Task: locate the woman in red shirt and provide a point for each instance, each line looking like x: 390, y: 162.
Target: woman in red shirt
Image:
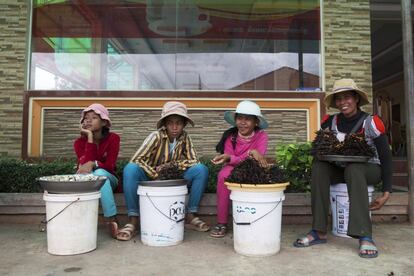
x: 97, y: 151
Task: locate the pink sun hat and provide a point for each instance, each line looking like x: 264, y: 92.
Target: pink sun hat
x: 98, y: 109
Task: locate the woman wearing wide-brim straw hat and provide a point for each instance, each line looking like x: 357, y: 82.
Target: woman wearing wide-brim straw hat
x: 344, y: 85
x: 246, y: 138
x: 347, y: 97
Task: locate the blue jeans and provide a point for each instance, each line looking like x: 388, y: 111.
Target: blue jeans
x: 107, y: 194
x: 196, y: 176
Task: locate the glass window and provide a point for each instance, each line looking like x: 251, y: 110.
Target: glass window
x: 176, y: 45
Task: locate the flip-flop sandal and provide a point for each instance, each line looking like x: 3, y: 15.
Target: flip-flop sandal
x: 305, y: 242
x: 218, y: 231
x: 367, y: 247
x: 198, y: 225
x: 127, y: 232
x: 112, y: 228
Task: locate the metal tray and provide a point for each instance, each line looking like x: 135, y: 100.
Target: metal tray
x: 71, y: 184
x: 164, y: 183
x: 343, y: 158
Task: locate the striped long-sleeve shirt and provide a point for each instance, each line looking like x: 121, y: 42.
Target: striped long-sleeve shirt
x: 154, y: 152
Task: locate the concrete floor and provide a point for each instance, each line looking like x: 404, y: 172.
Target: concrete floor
x: 23, y: 251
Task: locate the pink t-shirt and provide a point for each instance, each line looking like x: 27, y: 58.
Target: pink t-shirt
x: 258, y: 142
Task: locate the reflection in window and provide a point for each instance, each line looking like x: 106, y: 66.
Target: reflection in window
x: 176, y: 45
x: 119, y: 71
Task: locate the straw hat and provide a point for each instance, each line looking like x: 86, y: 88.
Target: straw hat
x: 98, y: 109
x: 343, y: 85
x: 173, y: 108
x: 247, y: 108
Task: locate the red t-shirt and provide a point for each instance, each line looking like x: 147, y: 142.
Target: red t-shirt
x: 106, y: 153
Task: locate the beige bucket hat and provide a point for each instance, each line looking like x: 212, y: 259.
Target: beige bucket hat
x: 173, y: 108
x: 343, y: 85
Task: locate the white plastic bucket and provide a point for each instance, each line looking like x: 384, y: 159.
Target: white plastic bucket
x: 162, y: 214
x: 257, y: 219
x: 72, y: 222
x: 340, y: 208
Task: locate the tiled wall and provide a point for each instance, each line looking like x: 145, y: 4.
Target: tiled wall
x: 347, y: 40
x: 61, y: 128
x: 13, y: 22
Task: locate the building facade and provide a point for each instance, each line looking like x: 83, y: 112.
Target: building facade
x: 211, y: 55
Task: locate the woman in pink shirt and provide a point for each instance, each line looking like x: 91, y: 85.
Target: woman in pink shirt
x: 245, y: 139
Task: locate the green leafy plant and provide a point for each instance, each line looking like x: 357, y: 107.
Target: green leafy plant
x: 18, y: 176
x: 120, y: 165
x: 296, y: 160
x: 213, y: 171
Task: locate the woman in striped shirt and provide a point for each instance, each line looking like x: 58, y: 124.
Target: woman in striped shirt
x: 170, y: 143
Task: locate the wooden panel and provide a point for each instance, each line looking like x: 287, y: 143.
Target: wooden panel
x: 60, y: 129
x: 39, y: 105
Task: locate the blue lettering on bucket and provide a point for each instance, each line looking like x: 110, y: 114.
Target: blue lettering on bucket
x: 241, y: 209
x: 161, y: 237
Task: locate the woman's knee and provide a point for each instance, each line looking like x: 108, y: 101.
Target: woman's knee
x: 201, y: 169
x: 100, y: 172
x: 326, y: 172
x: 198, y: 171
x: 224, y: 173
x: 352, y: 170
x: 221, y: 178
x: 133, y: 174
x: 320, y: 167
x: 133, y: 170
x: 130, y: 168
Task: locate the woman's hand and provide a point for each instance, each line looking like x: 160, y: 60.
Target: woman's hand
x: 260, y: 158
x: 221, y: 159
x: 87, y: 133
x: 379, y: 201
x: 86, y: 168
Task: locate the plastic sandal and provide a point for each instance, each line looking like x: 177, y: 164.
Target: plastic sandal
x: 127, y: 232
x: 367, y: 247
x: 218, y: 231
x: 198, y: 225
x: 305, y: 242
